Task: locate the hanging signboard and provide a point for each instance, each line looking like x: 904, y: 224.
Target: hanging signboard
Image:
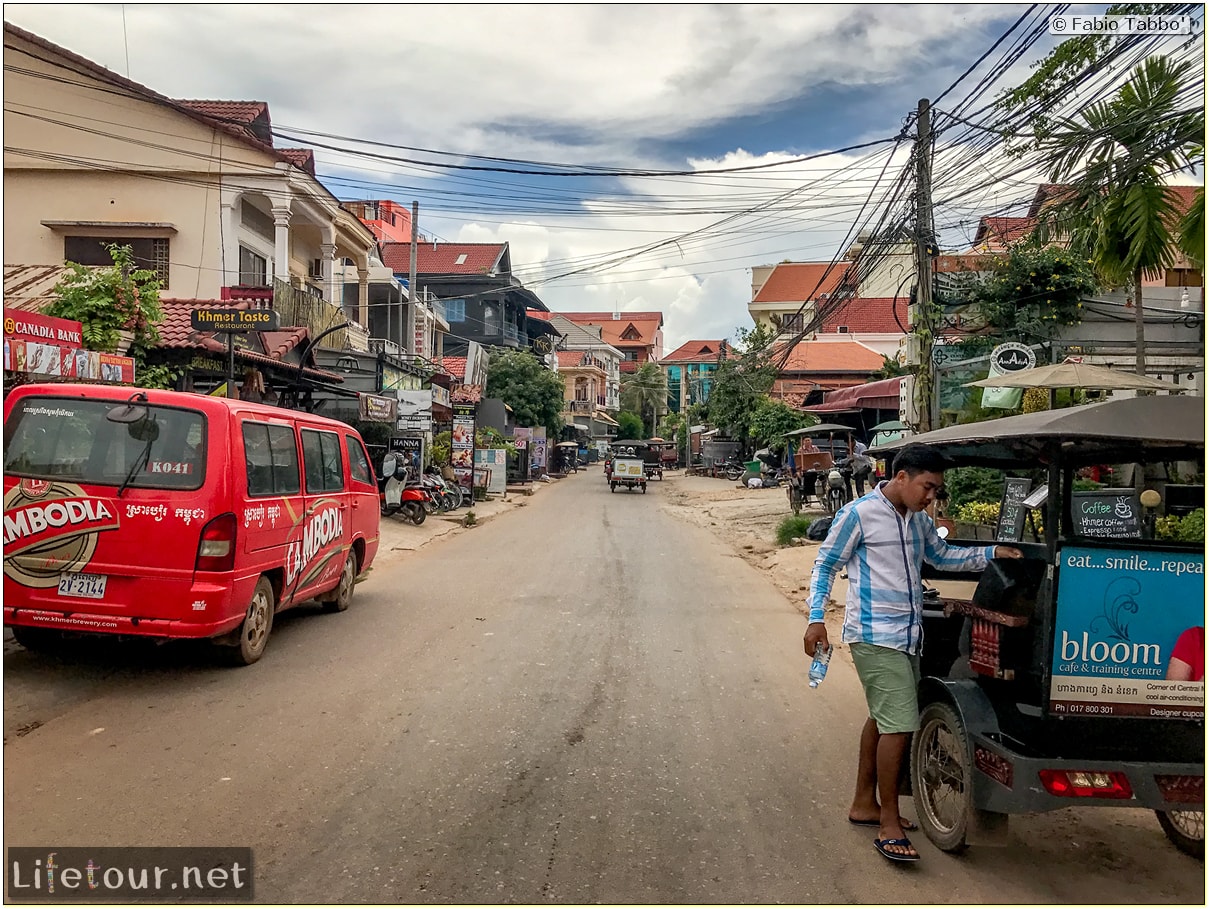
x: 40, y: 345
x: 33, y: 326
x: 227, y: 319
x: 1010, y: 357
x: 537, y: 448
x: 410, y: 449
x: 376, y: 408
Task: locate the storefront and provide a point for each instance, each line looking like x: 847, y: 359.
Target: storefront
x: 40, y: 348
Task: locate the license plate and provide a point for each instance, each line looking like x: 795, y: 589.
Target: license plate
x: 82, y: 585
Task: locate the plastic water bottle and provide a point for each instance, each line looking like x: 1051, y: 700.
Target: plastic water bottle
x: 818, y: 666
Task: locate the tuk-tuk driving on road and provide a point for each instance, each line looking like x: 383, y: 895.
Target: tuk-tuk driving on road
x: 1073, y: 677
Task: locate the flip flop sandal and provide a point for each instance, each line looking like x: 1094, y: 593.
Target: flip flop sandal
x: 895, y: 856
x: 907, y: 825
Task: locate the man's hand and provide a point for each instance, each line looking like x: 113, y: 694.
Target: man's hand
x: 1008, y: 552
x: 816, y: 633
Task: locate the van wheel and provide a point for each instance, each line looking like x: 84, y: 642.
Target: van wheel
x: 342, y: 595
x: 254, y: 632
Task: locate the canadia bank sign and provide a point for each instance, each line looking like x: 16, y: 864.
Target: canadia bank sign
x: 40, y: 345
x: 32, y: 326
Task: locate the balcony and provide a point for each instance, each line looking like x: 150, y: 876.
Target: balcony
x: 580, y: 406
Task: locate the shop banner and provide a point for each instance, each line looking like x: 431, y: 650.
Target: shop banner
x: 537, y: 448
x: 410, y: 449
x: 1009, y: 357
x: 33, y: 326
x: 491, y: 468
x: 377, y: 409
x: 1129, y: 634
x: 462, y: 443
x: 520, y: 437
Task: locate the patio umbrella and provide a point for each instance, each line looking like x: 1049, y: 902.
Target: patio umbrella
x: 821, y: 427
x: 890, y: 426
x: 1074, y: 375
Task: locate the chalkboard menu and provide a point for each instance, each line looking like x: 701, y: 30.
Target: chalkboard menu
x: 1012, y: 510
x: 1111, y: 513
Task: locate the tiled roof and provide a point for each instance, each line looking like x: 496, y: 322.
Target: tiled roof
x: 596, y: 318
x: 236, y: 111
x: 452, y: 366
x: 177, y: 333
x: 694, y: 352
x: 442, y: 258
x: 1000, y: 232
x: 570, y: 358
x: 302, y: 158
x: 628, y: 366
x: 797, y: 282
x: 31, y: 287
x: 646, y: 325
x: 833, y: 356
x: 873, y: 315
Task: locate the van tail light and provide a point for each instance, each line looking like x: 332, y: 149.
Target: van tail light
x: 1095, y: 784
x: 216, y: 548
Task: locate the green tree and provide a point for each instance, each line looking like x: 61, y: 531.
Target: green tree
x: 629, y: 426
x: 772, y: 419
x: 1033, y: 291
x: 742, y: 381
x: 890, y: 369
x: 110, y: 300
x: 1113, y: 155
x: 645, y: 393
x: 534, y: 393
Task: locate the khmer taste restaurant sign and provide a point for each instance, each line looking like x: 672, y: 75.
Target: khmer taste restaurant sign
x: 39, y: 345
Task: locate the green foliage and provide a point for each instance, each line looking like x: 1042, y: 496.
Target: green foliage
x: 645, y: 393
x: 110, y: 300
x: 972, y: 484
x: 770, y: 421
x: 629, y: 426
x: 441, y: 450
x: 890, y: 368
x: 1192, y: 228
x: 977, y: 512
x: 534, y: 393
x: 490, y: 437
x: 793, y: 527
x: 742, y: 381
x: 1032, y: 292
x: 1188, y: 529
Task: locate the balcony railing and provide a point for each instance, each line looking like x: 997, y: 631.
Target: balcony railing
x: 580, y: 406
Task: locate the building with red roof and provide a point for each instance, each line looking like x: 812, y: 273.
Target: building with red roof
x: 638, y: 335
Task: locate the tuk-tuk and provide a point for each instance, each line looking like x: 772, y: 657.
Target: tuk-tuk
x: 820, y: 466
x: 1059, y: 683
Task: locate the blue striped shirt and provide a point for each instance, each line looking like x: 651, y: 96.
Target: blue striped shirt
x: 884, y: 552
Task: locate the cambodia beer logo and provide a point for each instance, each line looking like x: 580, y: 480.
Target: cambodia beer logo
x: 325, y: 526
x: 51, y: 528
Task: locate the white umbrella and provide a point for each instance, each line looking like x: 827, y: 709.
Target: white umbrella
x: 1074, y: 375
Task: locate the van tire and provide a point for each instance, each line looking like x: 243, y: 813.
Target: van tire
x: 41, y: 640
x: 253, y: 634
x: 342, y: 593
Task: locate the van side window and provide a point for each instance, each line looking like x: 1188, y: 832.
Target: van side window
x: 321, y: 461
x: 271, y: 458
x: 358, y: 463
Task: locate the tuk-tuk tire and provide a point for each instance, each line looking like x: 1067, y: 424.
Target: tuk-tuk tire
x: 947, y: 839
x: 644, y: 488
x: 1186, y: 843
x: 612, y: 487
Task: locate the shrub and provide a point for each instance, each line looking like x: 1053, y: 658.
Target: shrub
x: 1188, y: 529
x: 977, y: 513
x: 972, y: 484
x: 794, y: 526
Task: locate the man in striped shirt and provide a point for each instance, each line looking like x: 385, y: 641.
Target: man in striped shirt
x: 884, y: 538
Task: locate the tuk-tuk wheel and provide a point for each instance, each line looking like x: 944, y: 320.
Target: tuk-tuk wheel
x: 612, y: 487
x: 644, y: 488
x: 1186, y: 829
x: 942, y: 777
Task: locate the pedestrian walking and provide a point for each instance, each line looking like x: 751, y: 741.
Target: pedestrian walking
x: 883, y: 538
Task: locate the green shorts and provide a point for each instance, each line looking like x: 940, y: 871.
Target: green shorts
x: 891, y: 681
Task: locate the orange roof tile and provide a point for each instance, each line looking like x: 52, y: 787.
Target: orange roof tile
x: 442, y: 258
x: 797, y: 282
x: 833, y: 356
x: 869, y: 314
x: 694, y: 352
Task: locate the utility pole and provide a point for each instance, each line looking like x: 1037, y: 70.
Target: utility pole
x: 410, y: 337
x: 924, y: 251
x: 688, y: 429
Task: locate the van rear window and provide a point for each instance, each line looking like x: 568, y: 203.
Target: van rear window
x: 71, y: 439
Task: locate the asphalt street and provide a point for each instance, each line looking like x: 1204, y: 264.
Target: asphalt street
x: 584, y: 700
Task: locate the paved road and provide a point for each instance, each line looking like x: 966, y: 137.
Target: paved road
x: 584, y: 700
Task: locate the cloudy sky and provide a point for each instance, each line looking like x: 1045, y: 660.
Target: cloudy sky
x: 679, y: 89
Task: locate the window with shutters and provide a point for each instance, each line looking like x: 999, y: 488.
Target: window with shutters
x: 151, y: 253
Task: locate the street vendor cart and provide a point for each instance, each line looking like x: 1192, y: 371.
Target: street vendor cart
x: 1067, y: 679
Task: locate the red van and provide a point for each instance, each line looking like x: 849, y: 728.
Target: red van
x: 175, y: 515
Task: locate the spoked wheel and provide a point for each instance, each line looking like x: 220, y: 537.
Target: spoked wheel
x: 942, y: 777
x: 795, y: 500
x: 1186, y: 829
x: 732, y: 474
x: 342, y: 596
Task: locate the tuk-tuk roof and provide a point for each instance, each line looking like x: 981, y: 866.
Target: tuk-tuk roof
x: 821, y: 427
x: 1164, y: 427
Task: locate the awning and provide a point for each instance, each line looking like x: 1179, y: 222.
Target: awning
x: 603, y: 417
x: 579, y: 426
x: 880, y: 395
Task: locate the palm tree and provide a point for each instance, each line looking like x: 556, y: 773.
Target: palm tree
x: 1112, y: 157
x: 645, y: 393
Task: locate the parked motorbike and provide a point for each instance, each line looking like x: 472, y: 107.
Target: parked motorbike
x: 396, y: 494
x: 733, y: 468
x: 838, y: 486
